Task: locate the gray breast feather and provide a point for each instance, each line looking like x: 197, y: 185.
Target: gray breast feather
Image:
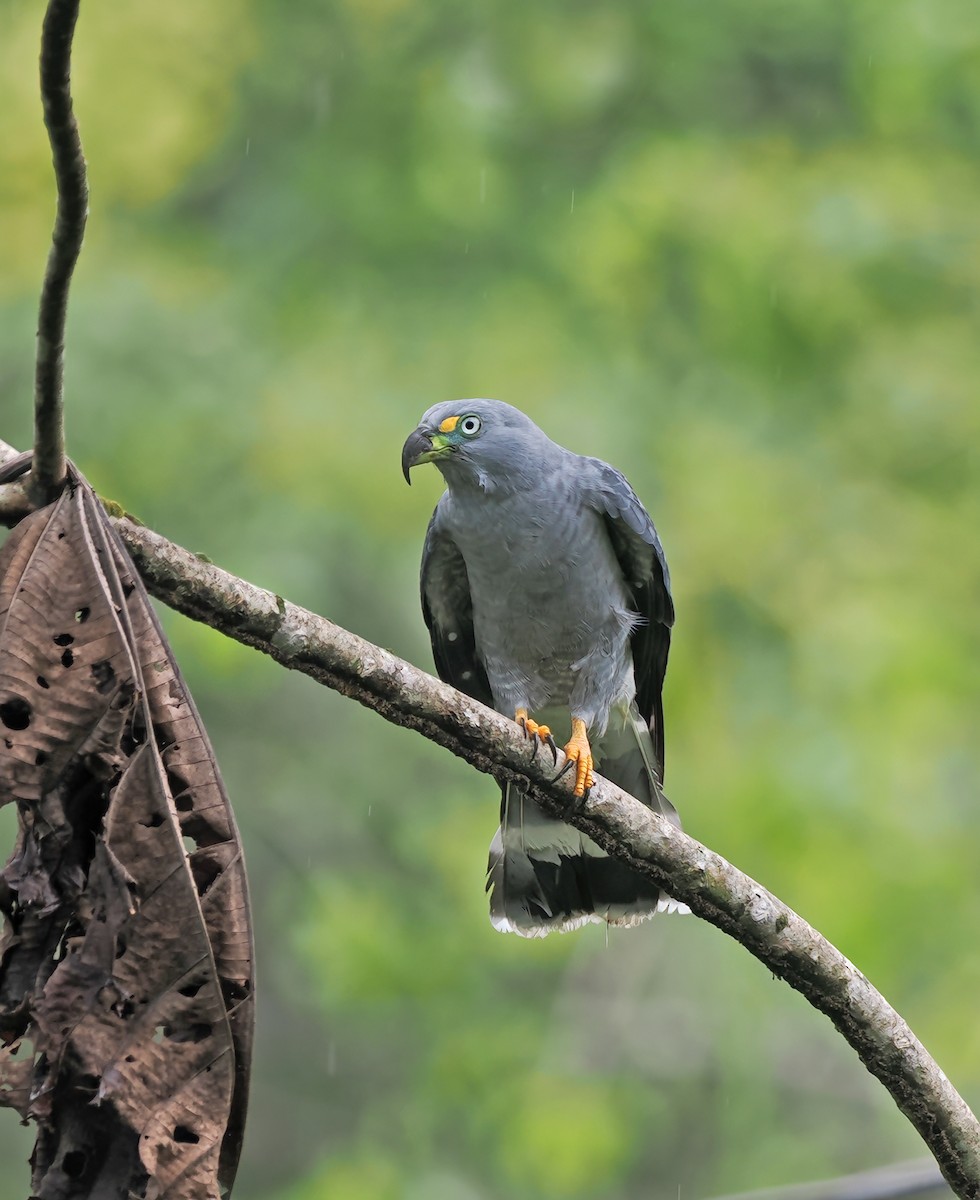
x: 551, y: 609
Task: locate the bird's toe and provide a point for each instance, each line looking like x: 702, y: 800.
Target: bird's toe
x: 578, y: 753
x: 539, y: 734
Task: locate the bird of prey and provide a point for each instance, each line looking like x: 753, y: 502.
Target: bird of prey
x: 546, y: 594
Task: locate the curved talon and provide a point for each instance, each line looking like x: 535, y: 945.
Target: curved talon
x: 552, y: 745
x: 537, y: 733
x: 569, y: 763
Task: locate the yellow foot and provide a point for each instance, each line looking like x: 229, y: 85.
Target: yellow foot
x: 578, y: 752
x: 539, y: 734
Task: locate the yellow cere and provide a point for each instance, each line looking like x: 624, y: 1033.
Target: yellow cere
x: 448, y: 425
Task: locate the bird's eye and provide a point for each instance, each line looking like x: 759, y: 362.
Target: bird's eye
x: 470, y: 426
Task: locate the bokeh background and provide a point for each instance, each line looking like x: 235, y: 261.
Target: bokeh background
x: 734, y: 249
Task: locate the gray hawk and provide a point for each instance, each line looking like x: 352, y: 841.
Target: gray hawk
x: 546, y: 595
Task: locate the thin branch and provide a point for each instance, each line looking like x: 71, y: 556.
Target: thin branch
x: 714, y: 889
x: 48, y: 474
x: 14, y: 501
x: 901, y: 1180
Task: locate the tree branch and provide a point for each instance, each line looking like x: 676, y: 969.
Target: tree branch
x: 14, y: 501
x: 897, y: 1182
x: 48, y: 473
x: 714, y: 889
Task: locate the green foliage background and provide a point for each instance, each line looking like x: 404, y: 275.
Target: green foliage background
x: 732, y: 248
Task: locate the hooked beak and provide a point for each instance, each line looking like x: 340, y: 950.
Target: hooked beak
x: 421, y: 447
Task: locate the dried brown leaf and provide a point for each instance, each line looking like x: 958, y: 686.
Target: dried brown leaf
x: 126, y: 955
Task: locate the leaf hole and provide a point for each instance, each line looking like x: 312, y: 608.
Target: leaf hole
x: 40, y: 758
x: 67, y: 658
x: 184, y: 1034
x: 82, y: 614
x: 15, y: 714
x: 63, y: 639
x: 73, y: 1164
x: 233, y: 991
x: 190, y: 989
x: 128, y: 589
x: 42, y: 682
x: 104, y: 676
x: 190, y: 844
x: 153, y: 821
x: 205, y: 868
x: 159, y: 1034
x: 184, y: 802
x: 183, y: 1134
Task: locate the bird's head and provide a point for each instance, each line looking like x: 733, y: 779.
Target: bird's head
x: 483, y: 441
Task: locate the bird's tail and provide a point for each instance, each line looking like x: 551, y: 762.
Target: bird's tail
x: 545, y: 876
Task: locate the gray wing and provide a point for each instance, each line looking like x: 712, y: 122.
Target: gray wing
x: 448, y: 611
x: 641, y: 557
